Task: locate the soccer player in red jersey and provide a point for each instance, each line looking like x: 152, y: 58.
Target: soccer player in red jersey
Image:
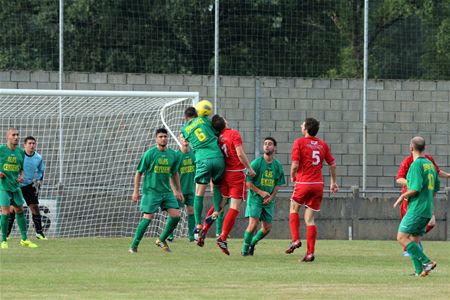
x: 401, y: 179
x: 233, y: 185
x: 308, y: 154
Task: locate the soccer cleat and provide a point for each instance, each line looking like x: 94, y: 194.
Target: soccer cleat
x: 28, y: 243
x: 245, y: 254
x: 223, y: 246
x: 4, y: 245
x: 210, y: 219
x: 201, y: 238
x: 405, y: 253
x: 132, y: 250
x: 196, y: 232
x: 427, y: 268
x: 292, y: 246
x: 308, y: 258
x: 414, y: 274
x: 163, y: 246
x: 251, y: 250
x: 41, y: 236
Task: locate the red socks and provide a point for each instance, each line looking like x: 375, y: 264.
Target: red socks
x: 311, y: 236
x: 228, y: 223
x: 294, y: 225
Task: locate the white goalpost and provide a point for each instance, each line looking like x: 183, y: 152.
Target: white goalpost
x: 91, y: 143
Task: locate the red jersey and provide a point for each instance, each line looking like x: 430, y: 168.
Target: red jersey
x: 310, y: 152
x: 406, y: 163
x: 229, y: 139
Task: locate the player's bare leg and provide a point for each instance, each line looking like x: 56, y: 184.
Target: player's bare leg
x: 294, y: 225
x: 311, y: 235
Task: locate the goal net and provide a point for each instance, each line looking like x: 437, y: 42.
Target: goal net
x: 91, y: 143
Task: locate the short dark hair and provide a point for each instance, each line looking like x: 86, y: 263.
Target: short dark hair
x: 271, y: 139
x: 160, y: 130
x: 312, y: 126
x: 418, y: 143
x: 25, y: 140
x: 218, y: 123
x: 190, y: 112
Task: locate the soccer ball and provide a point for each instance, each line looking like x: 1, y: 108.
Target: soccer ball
x: 204, y: 108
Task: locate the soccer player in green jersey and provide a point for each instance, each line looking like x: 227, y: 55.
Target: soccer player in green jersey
x: 11, y: 175
x: 209, y: 161
x: 187, y: 172
x: 159, y: 166
x: 261, y: 195
x: 422, y: 184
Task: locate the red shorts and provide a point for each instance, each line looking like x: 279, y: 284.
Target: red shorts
x: 233, y: 185
x: 309, y: 194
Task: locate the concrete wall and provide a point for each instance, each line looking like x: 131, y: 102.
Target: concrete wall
x: 397, y: 110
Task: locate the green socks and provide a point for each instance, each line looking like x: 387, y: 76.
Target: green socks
x: 22, y: 223
x: 4, y: 225
x: 140, y: 231
x: 415, y: 252
x: 258, y: 236
x: 198, y: 209
x: 170, y: 227
x: 247, y: 240
x: 217, y: 197
x: 191, y: 226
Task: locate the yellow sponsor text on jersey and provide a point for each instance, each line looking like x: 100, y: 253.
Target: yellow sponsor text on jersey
x: 163, y: 161
x: 268, y: 174
x: 427, y: 167
x: 162, y: 169
x: 187, y: 169
x: 267, y: 182
x: 12, y: 159
x: 11, y: 167
x: 191, y: 126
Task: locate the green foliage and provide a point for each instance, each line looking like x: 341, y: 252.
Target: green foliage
x: 311, y: 38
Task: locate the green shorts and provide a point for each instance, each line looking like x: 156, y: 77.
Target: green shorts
x: 259, y: 211
x: 210, y: 168
x: 11, y: 198
x: 188, y: 200
x: 150, y: 203
x: 413, y: 224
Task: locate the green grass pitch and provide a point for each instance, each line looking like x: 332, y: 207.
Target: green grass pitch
x: 101, y: 268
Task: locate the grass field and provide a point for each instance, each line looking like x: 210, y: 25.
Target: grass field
x: 100, y: 268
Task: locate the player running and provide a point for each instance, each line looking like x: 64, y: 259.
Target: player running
x: 401, y: 179
x: 308, y: 154
x: 261, y: 199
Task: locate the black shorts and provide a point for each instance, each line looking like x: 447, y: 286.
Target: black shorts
x: 30, y: 194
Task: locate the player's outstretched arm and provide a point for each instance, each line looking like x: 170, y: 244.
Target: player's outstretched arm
x: 443, y: 174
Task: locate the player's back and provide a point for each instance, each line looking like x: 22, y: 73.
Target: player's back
x: 406, y: 164
x: 229, y: 139
x: 310, y: 152
x: 202, y: 138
